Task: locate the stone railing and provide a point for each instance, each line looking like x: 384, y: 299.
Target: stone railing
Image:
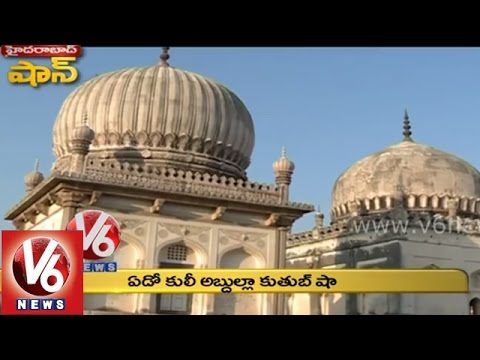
x: 177, y: 181
x: 435, y: 203
x: 388, y: 222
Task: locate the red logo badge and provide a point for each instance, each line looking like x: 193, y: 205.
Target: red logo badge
x: 42, y: 272
x: 101, y: 233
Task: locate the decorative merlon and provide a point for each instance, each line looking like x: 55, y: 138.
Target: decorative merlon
x: 435, y: 203
x: 452, y: 206
x: 218, y: 213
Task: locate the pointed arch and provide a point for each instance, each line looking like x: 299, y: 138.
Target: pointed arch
x: 183, y: 254
x: 258, y: 256
x: 239, y: 257
x: 474, y: 306
x: 134, y: 242
x: 475, y: 279
x: 200, y: 252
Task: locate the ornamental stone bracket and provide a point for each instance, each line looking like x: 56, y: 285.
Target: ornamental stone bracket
x: 41, y: 208
x: 51, y: 198
x: 272, y: 219
x: 28, y: 216
x: 94, y: 197
x: 218, y: 213
x: 157, y: 206
x: 18, y: 223
x: 67, y: 198
x: 278, y: 220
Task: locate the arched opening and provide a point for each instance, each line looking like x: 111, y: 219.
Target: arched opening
x: 176, y: 256
x: 238, y: 304
x: 475, y: 280
x: 126, y: 256
x: 474, y: 306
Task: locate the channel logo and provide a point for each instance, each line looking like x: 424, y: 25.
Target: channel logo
x: 42, y: 272
x: 101, y: 237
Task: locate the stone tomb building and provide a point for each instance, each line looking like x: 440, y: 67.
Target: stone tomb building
x: 165, y: 151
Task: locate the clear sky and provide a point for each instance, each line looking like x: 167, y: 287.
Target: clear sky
x: 329, y: 106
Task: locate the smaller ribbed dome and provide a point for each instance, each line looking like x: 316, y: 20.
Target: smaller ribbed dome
x: 283, y: 165
x: 84, y: 132
x: 34, y: 178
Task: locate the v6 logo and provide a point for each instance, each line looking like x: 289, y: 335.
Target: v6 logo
x: 41, y: 266
x: 101, y: 233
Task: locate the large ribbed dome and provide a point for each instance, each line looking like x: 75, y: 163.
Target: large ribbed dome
x: 426, y: 174
x: 162, y: 116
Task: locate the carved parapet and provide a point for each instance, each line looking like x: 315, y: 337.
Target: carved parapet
x: 173, y: 180
x: 300, y: 238
x: 440, y: 203
x: 218, y: 213
x: 157, y: 206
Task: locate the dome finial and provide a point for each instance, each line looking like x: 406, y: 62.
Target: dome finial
x: 165, y: 56
x: 37, y: 165
x: 283, y: 167
x: 407, y: 132
x: 83, y: 132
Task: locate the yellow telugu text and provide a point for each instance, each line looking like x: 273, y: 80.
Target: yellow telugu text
x: 28, y: 73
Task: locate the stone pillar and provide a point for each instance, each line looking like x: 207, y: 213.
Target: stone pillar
x: 281, y: 299
x: 70, y: 201
x: 315, y: 304
x: 283, y: 169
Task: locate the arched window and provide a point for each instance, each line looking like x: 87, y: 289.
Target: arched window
x: 177, y: 256
x: 475, y: 279
x: 474, y: 306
